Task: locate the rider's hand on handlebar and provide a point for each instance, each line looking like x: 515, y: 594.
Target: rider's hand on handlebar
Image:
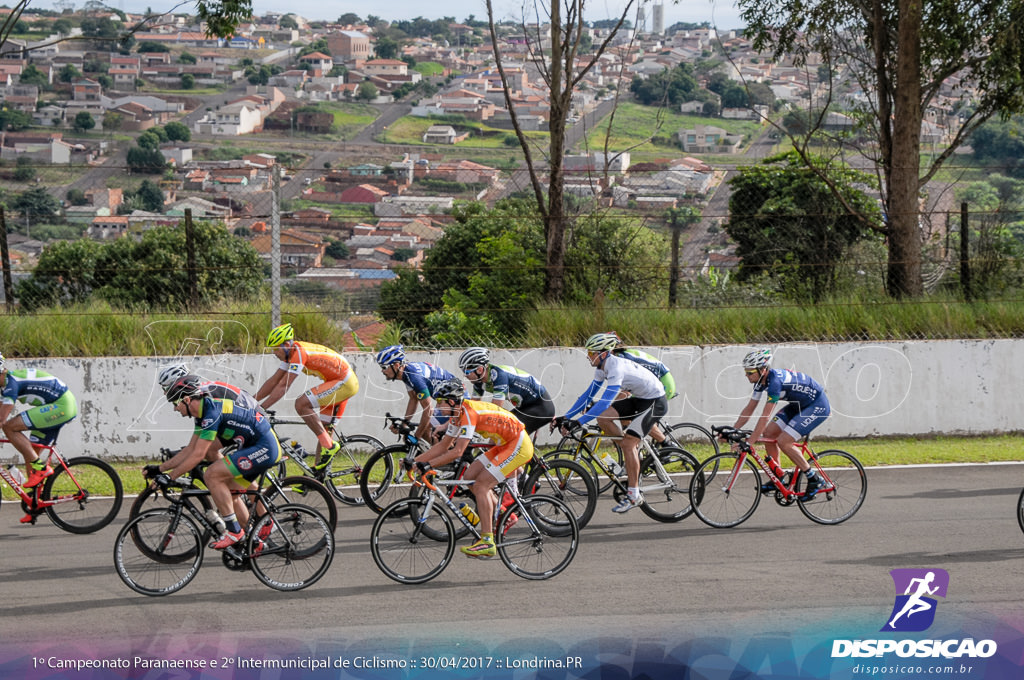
x: 161, y: 481
x: 150, y: 471
x: 423, y: 467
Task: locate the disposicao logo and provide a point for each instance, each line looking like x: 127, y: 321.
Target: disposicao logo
x: 914, y: 609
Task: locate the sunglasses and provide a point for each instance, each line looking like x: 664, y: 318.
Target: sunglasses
x: 751, y: 371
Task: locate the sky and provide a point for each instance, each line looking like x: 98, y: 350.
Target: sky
x: 723, y: 14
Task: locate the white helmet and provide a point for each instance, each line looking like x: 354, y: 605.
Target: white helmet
x: 473, y: 358
x: 759, y: 358
x: 168, y: 374
x: 601, y: 342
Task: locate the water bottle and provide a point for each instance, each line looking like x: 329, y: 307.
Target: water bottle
x: 612, y: 464
x: 469, y: 514
x: 16, y: 472
x: 216, y: 520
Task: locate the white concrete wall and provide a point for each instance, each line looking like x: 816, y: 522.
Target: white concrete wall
x: 911, y: 388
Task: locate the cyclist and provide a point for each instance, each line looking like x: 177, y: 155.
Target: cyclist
x: 219, y: 423
x: 51, y: 406
x: 652, y: 364
x: 214, y: 388
x: 330, y: 397
x: 645, y: 404
x: 511, y: 388
x: 808, y: 408
x: 512, y: 449
x: 420, y: 378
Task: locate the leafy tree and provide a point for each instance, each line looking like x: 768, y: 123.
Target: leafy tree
x: 288, y: 21
x: 337, y: 249
x: 105, y: 81
x: 177, y: 132
x: 147, y: 46
x: 36, y: 204
x: 149, y: 161
x: 68, y: 73
x: 996, y: 233
x: 386, y: 48
x: 14, y: 120
x: 187, y: 58
x: 30, y: 75
x: 188, y: 81
x: 789, y: 226
x: 367, y: 91
x: 671, y: 87
x: 84, y: 121
x: 150, y: 196
x: 148, y: 140
x: 63, y: 26
x: 76, y: 197
x: 112, y: 121
x: 25, y: 170
x: 349, y: 18
x: 903, y: 52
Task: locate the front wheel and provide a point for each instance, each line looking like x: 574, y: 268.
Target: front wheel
x: 665, y: 483
x: 83, y: 495
x: 158, y: 552
x: 305, y: 491
x: 569, y: 482
x: 540, y: 545
x: 1020, y: 510
x: 731, y: 497
x: 401, y: 549
x: 846, y: 486
x: 343, y: 472
x: 382, y: 481
x: 291, y: 547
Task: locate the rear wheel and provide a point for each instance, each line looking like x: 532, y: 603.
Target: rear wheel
x: 542, y: 546
x: 382, y: 481
x: 85, y: 496
x: 695, y: 439
x: 665, y: 484
x: 304, y: 491
x: 343, y: 472
x: 569, y: 482
x: 844, y: 492
x: 1020, y: 510
x: 732, y: 496
x: 157, y: 553
x: 296, y: 550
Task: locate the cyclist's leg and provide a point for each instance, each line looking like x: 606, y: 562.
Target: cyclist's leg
x: 237, y: 470
x: 45, y: 419
x: 797, y: 425
x: 491, y: 467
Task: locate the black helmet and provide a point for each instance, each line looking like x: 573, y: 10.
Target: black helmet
x: 449, y: 390
x: 185, y: 386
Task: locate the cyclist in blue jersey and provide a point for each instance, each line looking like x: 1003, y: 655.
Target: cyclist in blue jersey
x: 510, y: 388
x: 645, y: 403
x: 420, y: 378
x: 807, y: 408
x: 219, y: 423
x: 51, y: 406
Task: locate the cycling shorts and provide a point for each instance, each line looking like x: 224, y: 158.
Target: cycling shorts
x: 798, y: 422
x: 330, y: 397
x: 44, y: 421
x: 246, y: 464
x: 640, y: 412
x: 537, y: 414
x: 503, y: 461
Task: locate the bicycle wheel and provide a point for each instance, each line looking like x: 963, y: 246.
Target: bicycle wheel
x: 382, y: 481
x: 401, y: 549
x: 297, y: 550
x: 342, y: 474
x: 842, y: 496
x: 1020, y: 510
x: 665, y: 484
x: 732, y: 496
x: 585, y: 453
x: 158, y: 554
x: 695, y: 439
x: 86, y: 495
x: 152, y: 499
x: 569, y: 482
x: 540, y: 545
x: 439, y: 534
x: 299, y: 490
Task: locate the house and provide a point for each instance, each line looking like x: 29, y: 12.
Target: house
x: 363, y: 193
x: 299, y: 249
x: 320, y: 64
x: 238, y: 118
x: 107, y: 227
x: 440, y: 134
x: 709, y: 139
x: 124, y: 71
x: 347, y: 46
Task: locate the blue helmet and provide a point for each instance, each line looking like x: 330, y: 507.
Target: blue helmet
x: 390, y: 355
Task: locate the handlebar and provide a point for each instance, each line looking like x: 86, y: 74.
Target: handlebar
x: 731, y: 434
x: 403, y: 424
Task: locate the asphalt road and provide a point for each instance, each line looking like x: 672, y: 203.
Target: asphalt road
x: 631, y: 577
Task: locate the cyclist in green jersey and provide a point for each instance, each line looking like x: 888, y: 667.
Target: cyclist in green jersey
x: 51, y: 406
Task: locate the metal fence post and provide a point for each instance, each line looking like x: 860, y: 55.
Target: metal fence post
x: 5, y: 257
x: 965, y: 255
x: 275, y: 248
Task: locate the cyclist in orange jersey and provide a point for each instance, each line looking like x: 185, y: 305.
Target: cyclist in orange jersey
x: 512, y: 449
x: 319, y: 404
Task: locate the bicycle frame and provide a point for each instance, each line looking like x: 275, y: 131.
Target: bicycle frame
x: 31, y: 496
x: 788, y: 493
x: 643, y: 451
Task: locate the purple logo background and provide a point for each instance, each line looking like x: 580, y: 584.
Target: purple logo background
x: 915, y: 605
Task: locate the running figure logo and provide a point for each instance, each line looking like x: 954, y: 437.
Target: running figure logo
x: 914, y: 609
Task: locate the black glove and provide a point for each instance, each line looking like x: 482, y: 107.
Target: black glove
x: 423, y: 467
x: 162, y: 481
x: 150, y: 471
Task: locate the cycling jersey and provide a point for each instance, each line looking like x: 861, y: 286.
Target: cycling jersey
x: 512, y: 447
x: 316, y: 360
x: 616, y: 374
x: 52, y: 403
x: 656, y: 367
x: 510, y: 384
x: 422, y: 378
x: 229, y: 422
x: 223, y: 390
x: 785, y: 385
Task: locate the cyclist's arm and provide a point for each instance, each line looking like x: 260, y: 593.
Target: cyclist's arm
x: 745, y: 414
x: 190, y: 456
x: 5, y: 412
x: 444, y: 451
x: 423, y: 429
x: 581, y: 402
x: 607, y: 397
x: 762, y: 422
x: 274, y: 388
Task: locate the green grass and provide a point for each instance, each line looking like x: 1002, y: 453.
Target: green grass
x: 410, y: 129
x: 429, y: 68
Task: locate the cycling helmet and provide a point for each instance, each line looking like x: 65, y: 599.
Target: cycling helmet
x: 449, y: 390
x: 759, y: 358
x: 473, y: 358
x: 169, y: 374
x: 601, y: 342
x: 279, y: 335
x: 185, y: 386
x: 390, y: 355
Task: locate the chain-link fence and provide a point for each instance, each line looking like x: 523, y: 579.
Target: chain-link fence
x: 659, y: 252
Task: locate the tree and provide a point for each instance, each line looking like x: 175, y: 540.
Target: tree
x: 25, y: 170
x: 68, y: 73
x: 187, y: 58
x: 11, y: 119
x: 152, y: 46
x: 349, y: 18
x: 386, y: 48
x: 150, y: 196
x: 149, y: 161
x: 36, y: 204
x: 188, y: 81
x: 30, y: 75
x: 367, y: 91
x: 337, y: 249
x: 288, y: 21
x: 904, y: 52
x: 76, y: 197
x: 84, y: 121
x: 789, y: 225
x: 148, y: 140
x: 112, y: 121
x: 177, y: 132
x: 562, y: 71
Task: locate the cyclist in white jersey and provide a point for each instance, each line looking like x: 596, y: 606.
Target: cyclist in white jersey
x: 645, y: 404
